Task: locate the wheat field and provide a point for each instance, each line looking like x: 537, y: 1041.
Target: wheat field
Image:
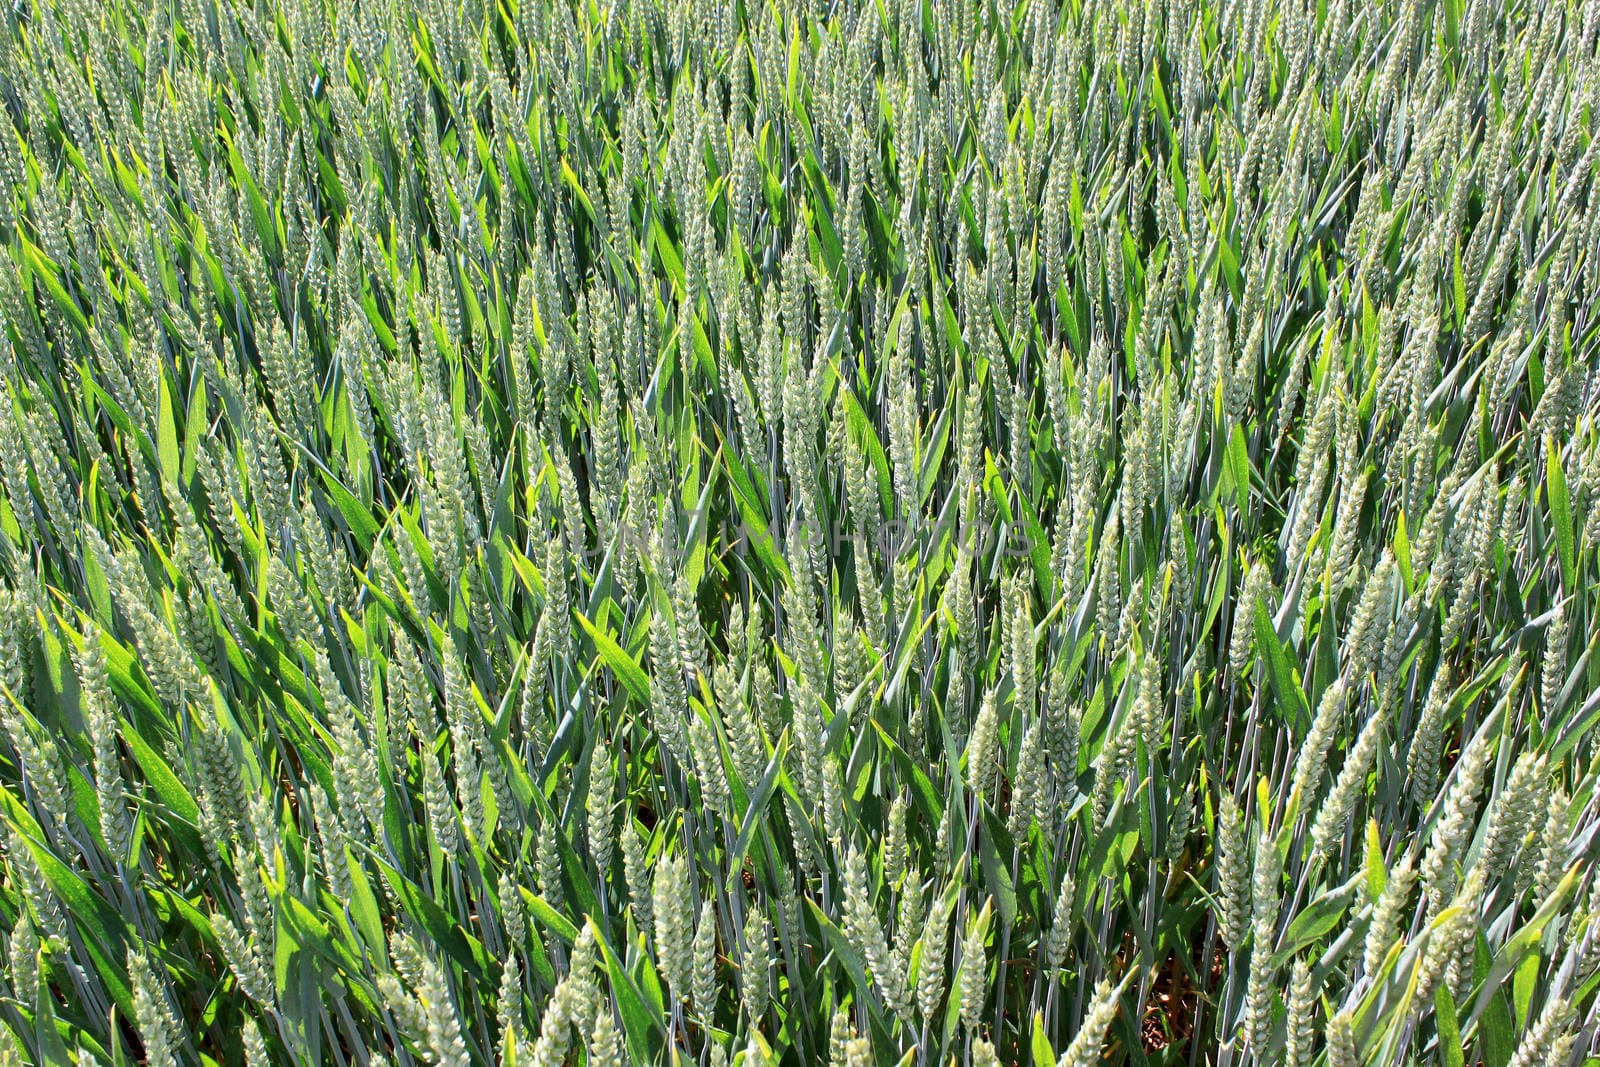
x: 794, y: 532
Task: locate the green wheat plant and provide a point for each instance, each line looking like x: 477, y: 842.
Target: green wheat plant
x: 855, y: 532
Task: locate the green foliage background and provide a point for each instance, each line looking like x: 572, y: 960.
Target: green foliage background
x: 874, y: 532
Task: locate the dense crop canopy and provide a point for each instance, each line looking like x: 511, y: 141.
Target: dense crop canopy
x: 774, y: 531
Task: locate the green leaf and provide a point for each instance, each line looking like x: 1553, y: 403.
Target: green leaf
x: 864, y: 436
x: 1402, y: 550
x: 458, y: 945
x: 842, y: 948
x: 1444, y: 1009
x: 559, y: 924
x: 1498, y: 1035
x: 641, y: 1026
x: 40, y: 267
x: 364, y: 909
x: 362, y: 525
x: 626, y: 669
x: 1524, y: 982
x: 996, y: 873
x: 106, y: 931
x: 182, y: 814
x: 1560, y: 513
x: 1290, y: 698
x: 1043, y: 1054
x: 755, y: 812
x: 922, y: 789
x: 752, y: 515
x: 47, y: 1038
x: 167, y: 435
x: 1377, y: 872
x: 1239, y: 469
x: 194, y: 425
x: 670, y: 261
x: 1315, y: 921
